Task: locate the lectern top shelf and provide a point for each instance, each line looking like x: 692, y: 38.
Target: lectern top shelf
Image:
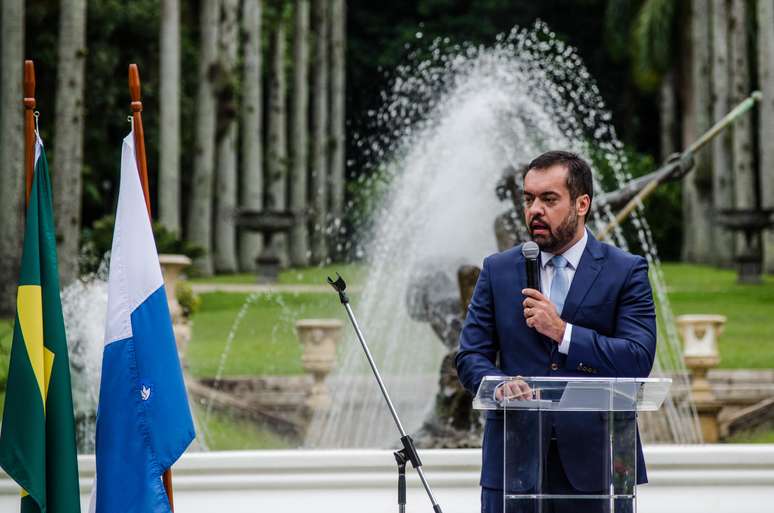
x: 576, y: 394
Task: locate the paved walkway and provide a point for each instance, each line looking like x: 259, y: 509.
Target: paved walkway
x: 264, y: 288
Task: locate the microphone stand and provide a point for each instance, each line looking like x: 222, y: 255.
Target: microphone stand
x: 409, y: 451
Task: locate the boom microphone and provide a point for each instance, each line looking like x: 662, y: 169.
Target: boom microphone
x: 531, y: 251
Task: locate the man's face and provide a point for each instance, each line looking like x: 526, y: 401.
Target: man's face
x: 552, y: 216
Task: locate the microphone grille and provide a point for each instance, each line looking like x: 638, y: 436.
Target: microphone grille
x: 530, y: 250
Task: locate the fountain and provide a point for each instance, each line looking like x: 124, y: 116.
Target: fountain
x: 749, y: 256
x: 268, y: 223
x: 451, y: 124
x: 84, y: 307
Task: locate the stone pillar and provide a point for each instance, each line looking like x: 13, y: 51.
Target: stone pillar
x: 319, y: 338
x: 700, y: 334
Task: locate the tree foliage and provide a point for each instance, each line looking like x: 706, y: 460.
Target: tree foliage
x: 644, y: 31
x: 380, y: 36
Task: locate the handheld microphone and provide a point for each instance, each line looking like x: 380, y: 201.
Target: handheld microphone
x: 531, y: 252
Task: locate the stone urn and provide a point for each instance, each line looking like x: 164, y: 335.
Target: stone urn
x: 171, y: 268
x: 700, y: 334
x: 319, y: 338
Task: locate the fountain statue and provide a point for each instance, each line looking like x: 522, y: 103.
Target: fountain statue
x: 450, y: 125
x: 436, y: 299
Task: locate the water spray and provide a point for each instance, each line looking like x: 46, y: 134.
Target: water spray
x: 409, y: 451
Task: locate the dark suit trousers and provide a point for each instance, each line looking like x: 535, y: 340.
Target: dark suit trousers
x: 555, y: 482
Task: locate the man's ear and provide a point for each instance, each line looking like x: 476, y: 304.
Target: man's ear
x: 583, y: 204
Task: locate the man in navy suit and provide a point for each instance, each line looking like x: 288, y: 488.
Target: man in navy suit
x: 593, y: 317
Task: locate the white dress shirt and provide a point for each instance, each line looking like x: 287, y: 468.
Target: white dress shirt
x: 573, y: 256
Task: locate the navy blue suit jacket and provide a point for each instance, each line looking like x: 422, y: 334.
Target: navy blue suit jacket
x: 610, y: 305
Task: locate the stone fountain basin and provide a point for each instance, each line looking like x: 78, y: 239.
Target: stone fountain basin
x: 683, y: 479
x: 265, y: 220
x: 746, y: 219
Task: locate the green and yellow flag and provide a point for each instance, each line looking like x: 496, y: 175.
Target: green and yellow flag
x: 37, y: 437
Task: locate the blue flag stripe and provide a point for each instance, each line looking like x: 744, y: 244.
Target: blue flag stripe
x: 144, y: 422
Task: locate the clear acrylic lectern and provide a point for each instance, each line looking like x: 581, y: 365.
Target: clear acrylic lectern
x: 570, y: 444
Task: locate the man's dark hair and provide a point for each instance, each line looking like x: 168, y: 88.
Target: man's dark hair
x: 579, y: 180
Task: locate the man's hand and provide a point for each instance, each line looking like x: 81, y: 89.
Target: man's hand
x: 513, y: 389
x: 541, y: 315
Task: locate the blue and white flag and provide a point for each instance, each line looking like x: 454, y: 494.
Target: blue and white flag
x: 143, y: 421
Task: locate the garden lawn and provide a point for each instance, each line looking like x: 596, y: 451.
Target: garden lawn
x: 6, y: 336
x: 265, y: 341
x: 748, y: 339
x: 223, y: 432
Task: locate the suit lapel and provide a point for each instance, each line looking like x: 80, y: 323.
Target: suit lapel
x: 588, y: 269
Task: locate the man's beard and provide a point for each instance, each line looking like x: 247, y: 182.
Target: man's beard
x: 556, y: 240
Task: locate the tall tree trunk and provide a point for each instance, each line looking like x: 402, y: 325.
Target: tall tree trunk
x: 277, y: 132
x: 252, y: 140
x: 744, y: 174
x: 169, y: 117
x: 722, y: 168
x: 668, y: 115
x: 320, y: 134
x: 68, y: 147
x: 766, y: 118
x: 697, y: 185
x: 226, y: 176
x: 299, y: 236
x: 200, y: 206
x: 338, y: 142
x: 11, y: 152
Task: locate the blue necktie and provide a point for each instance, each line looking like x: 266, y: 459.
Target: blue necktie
x: 559, y: 283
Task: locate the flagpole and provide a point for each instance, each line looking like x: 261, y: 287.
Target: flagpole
x: 29, y: 127
x: 139, y: 133
x: 142, y: 167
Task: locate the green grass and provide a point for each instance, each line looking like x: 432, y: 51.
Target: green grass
x: 758, y: 436
x: 224, y: 432
x: 6, y: 329
x: 6, y: 335
x: 353, y: 273
x: 748, y: 338
x: 265, y: 342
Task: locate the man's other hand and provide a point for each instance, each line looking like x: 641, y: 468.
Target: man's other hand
x: 540, y: 314
x: 513, y: 389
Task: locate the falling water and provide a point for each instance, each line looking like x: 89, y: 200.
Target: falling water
x: 226, y: 351
x: 84, y: 307
x: 450, y: 125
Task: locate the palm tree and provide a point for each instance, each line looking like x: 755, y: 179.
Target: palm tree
x: 252, y: 135
x: 226, y: 176
x: 766, y: 118
x: 299, y: 235
x: 169, y: 116
x: 320, y: 133
x: 68, y: 146
x: 276, y: 162
x: 11, y: 152
x: 337, y: 165
x: 200, y: 206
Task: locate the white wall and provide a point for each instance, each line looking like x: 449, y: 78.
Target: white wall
x: 683, y: 479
